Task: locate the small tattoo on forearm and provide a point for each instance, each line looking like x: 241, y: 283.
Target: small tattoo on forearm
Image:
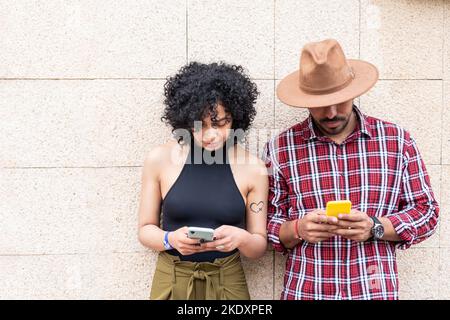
x: 256, y: 207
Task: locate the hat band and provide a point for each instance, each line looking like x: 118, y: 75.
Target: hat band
x: 319, y: 91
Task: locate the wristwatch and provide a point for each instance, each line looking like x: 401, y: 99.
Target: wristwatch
x: 167, y: 245
x: 377, y: 229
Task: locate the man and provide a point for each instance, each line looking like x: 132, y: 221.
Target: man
x: 338, y: 153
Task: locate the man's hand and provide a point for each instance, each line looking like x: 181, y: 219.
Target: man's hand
x: 355, y: 226
x: 316, y: 226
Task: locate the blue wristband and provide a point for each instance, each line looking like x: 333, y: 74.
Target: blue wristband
x: 167, y: 245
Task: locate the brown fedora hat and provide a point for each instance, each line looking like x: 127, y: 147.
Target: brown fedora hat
x: 326, y: 77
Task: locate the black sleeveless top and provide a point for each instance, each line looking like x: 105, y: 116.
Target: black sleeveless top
x: 205, y: 195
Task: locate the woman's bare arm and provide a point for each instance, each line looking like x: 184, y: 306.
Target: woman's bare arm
x: 150, y: 234
x: 255, y: 244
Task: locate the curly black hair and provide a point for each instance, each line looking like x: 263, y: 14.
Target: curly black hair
x: 198, y: 88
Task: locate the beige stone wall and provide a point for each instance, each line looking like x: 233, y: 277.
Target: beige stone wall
x: 80, y: 100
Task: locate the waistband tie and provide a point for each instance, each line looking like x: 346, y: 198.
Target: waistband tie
x: 210, y: 287
x: 203, y: 271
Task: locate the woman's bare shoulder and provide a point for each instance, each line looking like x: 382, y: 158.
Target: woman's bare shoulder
x: 160, y: 154
x: 251, y: 162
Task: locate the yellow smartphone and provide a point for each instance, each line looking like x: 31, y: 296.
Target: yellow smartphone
x: 334, y: 208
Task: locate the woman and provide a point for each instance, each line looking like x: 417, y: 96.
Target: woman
x: 204, y: 179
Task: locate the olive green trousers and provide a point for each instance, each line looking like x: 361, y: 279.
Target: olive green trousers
x: 223, y: 279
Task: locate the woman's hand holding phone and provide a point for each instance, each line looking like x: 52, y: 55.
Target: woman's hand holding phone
x: 184, y: 245
x: 227, y: 238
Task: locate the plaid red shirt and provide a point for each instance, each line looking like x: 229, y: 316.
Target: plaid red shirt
x: 379, y: 168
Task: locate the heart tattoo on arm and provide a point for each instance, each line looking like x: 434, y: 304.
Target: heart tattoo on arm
x: 256, y: 207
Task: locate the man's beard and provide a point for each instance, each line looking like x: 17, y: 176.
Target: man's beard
x: 343, y: 123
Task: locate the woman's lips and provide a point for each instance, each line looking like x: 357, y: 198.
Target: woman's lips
x: 211, y: 145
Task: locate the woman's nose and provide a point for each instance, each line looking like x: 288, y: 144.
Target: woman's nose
x: 209, y: 135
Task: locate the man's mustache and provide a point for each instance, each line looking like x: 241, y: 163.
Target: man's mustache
x: 333, y: 119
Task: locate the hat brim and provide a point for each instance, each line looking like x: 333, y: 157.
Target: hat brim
x: 289, y: 92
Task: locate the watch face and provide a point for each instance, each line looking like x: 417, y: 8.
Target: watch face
x: 378, y: 231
